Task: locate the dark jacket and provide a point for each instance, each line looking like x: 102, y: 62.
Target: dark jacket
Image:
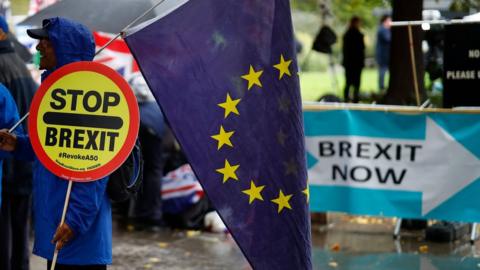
x: 17, y: 175
x: 8, y: 117
x: 89, y: 211
x: 382, y: 50
x: 353, y: 49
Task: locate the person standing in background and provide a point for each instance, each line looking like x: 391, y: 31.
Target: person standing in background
x: 353, y: 59
x: 17, y: 175
x: 147, y: 212
x: 382, y: 50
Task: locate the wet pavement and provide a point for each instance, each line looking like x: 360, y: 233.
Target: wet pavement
x: 347, y: 243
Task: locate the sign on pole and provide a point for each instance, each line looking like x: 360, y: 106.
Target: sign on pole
x: 412, y: 164
x: 461, y: 65
x: 84, y: 121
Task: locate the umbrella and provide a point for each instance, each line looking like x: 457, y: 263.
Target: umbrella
x: 21, y: 50
x: 109, y: 16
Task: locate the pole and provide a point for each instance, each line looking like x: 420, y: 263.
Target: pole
x: 414, y: 67
x: 18, y: 123
x: 442, y: 22
x: 64, y: 213
x: 129, y: 25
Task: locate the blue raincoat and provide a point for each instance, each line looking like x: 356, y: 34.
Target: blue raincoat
x: 89, y: 212
x: 8, y: 118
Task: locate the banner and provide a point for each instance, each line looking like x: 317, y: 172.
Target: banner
x: 410, y: 164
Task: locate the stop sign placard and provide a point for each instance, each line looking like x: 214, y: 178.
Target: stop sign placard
x: 84, y: 121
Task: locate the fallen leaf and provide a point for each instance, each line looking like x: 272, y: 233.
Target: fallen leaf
x: 163, y: 245
x: 192, y: 233
x: 333, y: 264
x: 423, y: 249
x: 154, y: 260
x: 335, y: 247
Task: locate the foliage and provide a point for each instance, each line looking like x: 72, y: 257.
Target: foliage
x: 345, y: 9
x: 465, y: 5
x: 306, y: 5
x: 307, y: 19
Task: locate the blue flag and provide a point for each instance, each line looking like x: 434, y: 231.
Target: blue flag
x: 225, y: 74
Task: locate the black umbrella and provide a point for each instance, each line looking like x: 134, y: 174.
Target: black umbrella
x: 21, y: 50
x: 109, y: 16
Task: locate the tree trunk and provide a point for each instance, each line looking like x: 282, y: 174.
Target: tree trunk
x: 401, y: 88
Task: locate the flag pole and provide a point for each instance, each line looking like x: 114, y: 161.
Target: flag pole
x: 128, y: 26
x: 100, y: 50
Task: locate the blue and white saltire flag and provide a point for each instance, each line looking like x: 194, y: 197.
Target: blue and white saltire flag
x: 225, y: 74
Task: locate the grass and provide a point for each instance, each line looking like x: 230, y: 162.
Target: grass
x: 315, y: 84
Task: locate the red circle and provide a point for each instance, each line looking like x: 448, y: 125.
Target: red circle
x: 122, y: 154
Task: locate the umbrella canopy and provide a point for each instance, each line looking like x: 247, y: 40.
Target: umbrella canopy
x: 20, y: 49
x: 109, y: 16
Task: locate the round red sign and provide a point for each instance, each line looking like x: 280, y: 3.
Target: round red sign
x: 84, y: 121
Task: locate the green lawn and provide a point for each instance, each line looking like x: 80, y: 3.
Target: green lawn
x: 315, y: 84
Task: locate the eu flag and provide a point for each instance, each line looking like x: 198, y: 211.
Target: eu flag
x: 225, y: 74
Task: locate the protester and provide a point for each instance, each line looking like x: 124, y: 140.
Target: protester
x: 85, y: 239
x: 148, y: 204
x: 17, y: 175
x: 353, y: 59
x: 382, y: 50
x: 8, y: 118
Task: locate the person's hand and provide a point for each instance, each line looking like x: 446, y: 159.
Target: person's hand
x: 62, y: 236
x: 3, y: 35
x: 8, y: 141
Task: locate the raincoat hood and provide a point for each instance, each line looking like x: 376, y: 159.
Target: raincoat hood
x: 71, y: 40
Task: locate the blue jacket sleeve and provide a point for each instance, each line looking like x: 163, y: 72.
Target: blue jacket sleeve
x: 85, y: 202
x: 24, y: 150
x: 8, y: 113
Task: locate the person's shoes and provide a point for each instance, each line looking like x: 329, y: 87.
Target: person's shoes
x: 414, y: 224
x: 213, y: 223
x: 447, y: 231
x: 147, y: 224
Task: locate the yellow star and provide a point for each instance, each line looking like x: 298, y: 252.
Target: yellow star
x: 223, y: 138
x: 230, y: 106
x: 283, y: 201
x: 307, y: 193
x: 254, y: 192
x: 283, y: 67
x: 253, y: 77
x: 228, y: 171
